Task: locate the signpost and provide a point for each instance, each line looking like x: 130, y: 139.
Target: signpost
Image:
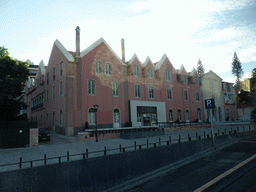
x: 210, y: 104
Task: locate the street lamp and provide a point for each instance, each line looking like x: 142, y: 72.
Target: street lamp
x: 95, y: 109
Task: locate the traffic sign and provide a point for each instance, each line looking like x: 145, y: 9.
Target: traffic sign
x: 209, y: 103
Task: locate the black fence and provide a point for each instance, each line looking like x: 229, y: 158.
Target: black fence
x: 179, y: 124
x: 121, y: 149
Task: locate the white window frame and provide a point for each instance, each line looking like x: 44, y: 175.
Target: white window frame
x: 91, y: 117
x: 150, y: 73
x: 185, y: 95
x: 108, y: 69
x: 98, y: 68
x: 169, y: 93
x: 197, y: 96
x: 61, y: 88
x: 137, y: 91
x: 151, y: 92
x: 136, y: 70
x: 115, y: 89
x: 168, y: 75
x: 61, y: 68
x: 179, y: 115
x: 53, y: 93
x: 187, y: 115
x: 54, y: 74
x: 199, y: 114
x: 91, y: 83
x: 184, y: 78
x: 171, y: 117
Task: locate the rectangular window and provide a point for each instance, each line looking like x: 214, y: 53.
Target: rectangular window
x: 108, y: 69
x: 60, y: 117
x: 47, y: 120
x: 47, y: 95
x: 53, y: 74
x: 91, y: 87
x: 91, y: 118
x: 47, y: 79
x: 137, y: 91
x: 38, y: 84
x: 168, y: 75
x: 185, y: 95
x: 98, y: 67
x: 53, y: 92
x: 151, y: 92
x: 150, y: 73
x: 61, y: 68
x: 60, y: 88
x: 115, y: 89
x: 197, y: 96
x: 136, y: 71
x: 196, y: 80
x: 225, y: 86
x: 184, y: 77
x: 169, y: 93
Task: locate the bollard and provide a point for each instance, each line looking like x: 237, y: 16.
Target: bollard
x: 234, y: 131
x: 59, y: 159
x: 167, y: 143
x: 120, y: 148
x: 147, y: 142
x: 134, y: 145
x: 105, y: 150
x: 159, y: 141
x: 199, y: 137
x: 87, y: 153
x: 123, y: 149
x: 154, y: 144
x: 45, y: 159
x: 67, y: 155
x: 140, y: 147
x: 31, y: 163
x: 20, y: 162
x: 216, y: 134
x: 208, y: 136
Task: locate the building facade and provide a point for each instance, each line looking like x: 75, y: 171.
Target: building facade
x: 63, y: 94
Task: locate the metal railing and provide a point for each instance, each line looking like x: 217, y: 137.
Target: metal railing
x: 175, y: 124
x: 121, y: 149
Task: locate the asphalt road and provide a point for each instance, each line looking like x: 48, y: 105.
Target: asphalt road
x: 196, y: 174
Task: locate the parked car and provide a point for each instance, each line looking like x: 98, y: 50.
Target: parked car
x: 43, y: 134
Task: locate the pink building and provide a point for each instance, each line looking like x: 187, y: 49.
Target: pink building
x: 128, y: 93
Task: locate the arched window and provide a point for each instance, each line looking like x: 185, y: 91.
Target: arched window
x: 187, y: 116
x: 170, y: 115
x: 116, y: 116
x: 179, y: 115
x: 91, y: 116
x: 199, y: 114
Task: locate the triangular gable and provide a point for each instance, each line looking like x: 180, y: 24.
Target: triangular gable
x: 96, y: 44
x: 64, y: 51
x: 133, y: 58
x: 29, y: 83
x: 193, y: 72
x: 162, y: 60
x: 181, y: 69
x: 42, y: 67
x: 211, y: 72
x: 148, y: 60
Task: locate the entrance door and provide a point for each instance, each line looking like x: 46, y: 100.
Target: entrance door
x: 116, y: 116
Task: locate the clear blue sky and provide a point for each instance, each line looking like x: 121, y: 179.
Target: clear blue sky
x: 185, y: 30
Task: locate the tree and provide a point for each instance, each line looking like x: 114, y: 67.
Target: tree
x: 254, y: 73
x: 13, y: 75
x: 237, y: 68
x: 200, y: 68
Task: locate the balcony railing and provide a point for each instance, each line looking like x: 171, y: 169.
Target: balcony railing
x: 39, y: 106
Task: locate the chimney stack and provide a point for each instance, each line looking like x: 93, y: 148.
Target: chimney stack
x: 77, y: 41
x: 123, y: 52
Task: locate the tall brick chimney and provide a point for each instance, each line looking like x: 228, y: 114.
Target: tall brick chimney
x: 123, y: 52
x: 77, y: 41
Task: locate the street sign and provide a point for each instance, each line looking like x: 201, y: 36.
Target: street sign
x: 209, y: 103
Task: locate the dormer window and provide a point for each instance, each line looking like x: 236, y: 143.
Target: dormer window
x: 184, y: 78
x: 150, y: 73
x: 136, y: 71
x: 168, y: 75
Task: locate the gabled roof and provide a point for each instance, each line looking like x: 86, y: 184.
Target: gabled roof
x: 181, y: 68
x: 41, y: 68
x: 146, y: 62
x: 96, y: 44
x: 63, y: 50
x: 162, y: 60
x: 132, y: 59
x: 212, y: 73
x: 193, y: 72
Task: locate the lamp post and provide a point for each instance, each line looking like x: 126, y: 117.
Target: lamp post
x: 95, y: 109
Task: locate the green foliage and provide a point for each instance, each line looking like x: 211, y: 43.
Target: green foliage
x: 236, y: 67
x: 13, y: 75
x: 254, y: 73
x: 200, y: 68
x: 3, y: 52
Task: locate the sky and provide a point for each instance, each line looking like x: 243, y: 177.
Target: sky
x: 185, y: 30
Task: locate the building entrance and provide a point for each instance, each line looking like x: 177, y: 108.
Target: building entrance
x: 146, y: 115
